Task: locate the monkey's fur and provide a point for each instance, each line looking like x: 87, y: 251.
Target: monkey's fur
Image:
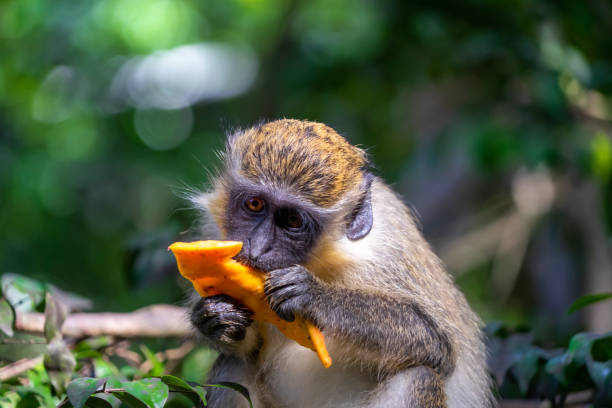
x: 399, y: 332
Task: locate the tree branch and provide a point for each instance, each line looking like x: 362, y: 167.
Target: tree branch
x: 18, y: 367
x: 150, y: 321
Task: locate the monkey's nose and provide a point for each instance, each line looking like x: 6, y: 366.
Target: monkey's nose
x: 257, y: 248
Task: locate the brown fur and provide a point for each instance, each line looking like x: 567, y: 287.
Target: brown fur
x: 315, y: 162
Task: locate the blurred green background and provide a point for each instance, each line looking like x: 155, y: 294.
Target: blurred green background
x: 492, y: 118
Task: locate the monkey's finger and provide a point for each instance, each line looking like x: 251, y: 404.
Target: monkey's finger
x: 286, y: 310
x: 271, y: 287
x: 284, y: 293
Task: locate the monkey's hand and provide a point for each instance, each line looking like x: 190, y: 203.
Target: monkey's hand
x: 222, y: 320
x: 290, y: 291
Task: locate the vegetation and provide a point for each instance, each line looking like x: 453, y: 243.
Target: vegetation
x: 492, y: 118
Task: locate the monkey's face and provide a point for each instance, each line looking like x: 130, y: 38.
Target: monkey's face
x: 276, y: 230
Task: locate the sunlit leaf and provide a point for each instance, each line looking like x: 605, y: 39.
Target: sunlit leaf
x: 157, y: 367
x: 195, y: 392
x: 89, y: 348
x: 103, y: 368
x: 23, y: 293
x: 7, y: 317
x: 115, y: 387
x: 601, y: 156
x: 151, y: 391
x: 9, y: 399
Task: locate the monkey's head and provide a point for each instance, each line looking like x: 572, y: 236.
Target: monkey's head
x: 286, y: 182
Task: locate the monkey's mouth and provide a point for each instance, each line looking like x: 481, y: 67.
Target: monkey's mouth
x: 264, y: 263
x: 253, y: 263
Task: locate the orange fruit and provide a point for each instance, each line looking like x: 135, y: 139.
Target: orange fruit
x: 209, y: 267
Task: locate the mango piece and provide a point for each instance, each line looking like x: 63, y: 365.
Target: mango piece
x: 208, y: 266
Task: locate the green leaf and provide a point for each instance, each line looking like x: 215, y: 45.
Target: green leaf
x: 151, y: 391
x: 588, y: 300
x: 116, y: 388
x: 570, y: 369
x: 556, y: 367
x: 9, y: 399
x: 580, y: 345
x: 7, y: 317
x: 599, y: 361
x: 24, y: 294
x: 157, y: 367
x: 195, y: 392
x: 95, y: 402
x: 601, y: 156
x: 129, y: 372
x: 197, y: 364
x: 30, y: 395
x: 601, y: 348
x: 129, y: 399
x: 201, y: 393
x: 93, y: 343
x: 111, y: 400
x: 103, y: 368
x: 526, y: 368
x: 81, y: 389
x: 600, y: 372
x: 175, y: 382
x: 233, y: 386
x: 32, y: 400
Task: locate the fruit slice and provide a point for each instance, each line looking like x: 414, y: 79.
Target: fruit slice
x: 208, y: 266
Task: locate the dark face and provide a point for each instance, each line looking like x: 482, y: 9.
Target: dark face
x: 275, y: 230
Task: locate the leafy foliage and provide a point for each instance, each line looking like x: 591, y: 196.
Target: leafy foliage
x: 145, y: 393
x: 524, y: 370
x: 122, y: 375
x: 139, y: 378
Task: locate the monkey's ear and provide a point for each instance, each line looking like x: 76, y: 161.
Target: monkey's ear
x: 360, y: 222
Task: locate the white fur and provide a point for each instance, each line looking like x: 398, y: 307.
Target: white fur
x: 295, y: 377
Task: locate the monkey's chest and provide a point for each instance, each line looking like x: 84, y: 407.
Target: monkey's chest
x: 293, y: 376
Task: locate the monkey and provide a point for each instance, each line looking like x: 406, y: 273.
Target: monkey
x: 340, y: 249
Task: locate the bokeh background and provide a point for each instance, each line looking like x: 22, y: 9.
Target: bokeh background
x: 493, y: 119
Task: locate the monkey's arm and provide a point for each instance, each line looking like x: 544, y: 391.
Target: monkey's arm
x: 396, y: 334
x: 228, y: 368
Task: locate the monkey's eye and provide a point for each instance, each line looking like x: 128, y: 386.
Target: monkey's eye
x: 291, y: 219
x: 254, y: 204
